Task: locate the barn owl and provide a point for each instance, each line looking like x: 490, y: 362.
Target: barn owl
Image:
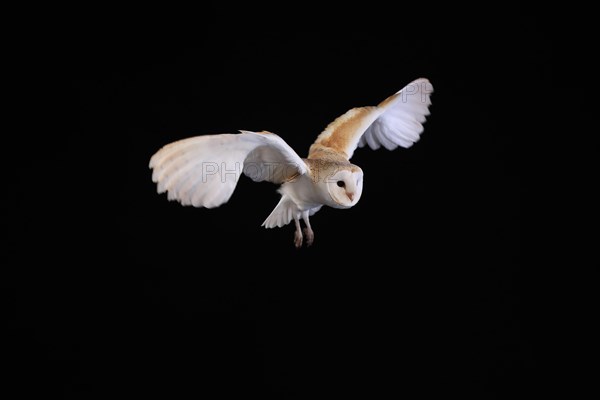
x: 203, y: 171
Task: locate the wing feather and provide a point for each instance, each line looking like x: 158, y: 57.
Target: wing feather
x: 396, y: 121
x: 203, y: 171
x: 372, y: 141
x: 384, y: 136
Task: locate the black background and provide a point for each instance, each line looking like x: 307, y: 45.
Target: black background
x: 418, y: 288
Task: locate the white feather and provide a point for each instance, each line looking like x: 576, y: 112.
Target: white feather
x: 400, y: 122
x: 203, y: 171
x: 396, y: 121
x: 281, y: 214
x: 371, y: 140
x: 384, y: 135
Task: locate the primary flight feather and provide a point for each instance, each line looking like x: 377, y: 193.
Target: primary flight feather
x: 203, y: 171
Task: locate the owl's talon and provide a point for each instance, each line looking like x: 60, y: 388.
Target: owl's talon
x: 310, y: 236
x: 298, y: 239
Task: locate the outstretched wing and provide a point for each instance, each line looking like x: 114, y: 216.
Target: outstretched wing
x: 203, y: 171
x: 396, y: 121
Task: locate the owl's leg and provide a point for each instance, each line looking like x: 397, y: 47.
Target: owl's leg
x: 298, y: 233
x: 308, y: 232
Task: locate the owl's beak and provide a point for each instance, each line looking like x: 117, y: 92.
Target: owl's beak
x: 350, y: 196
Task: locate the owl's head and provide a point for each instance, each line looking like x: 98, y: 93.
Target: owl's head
x: 345, y: 187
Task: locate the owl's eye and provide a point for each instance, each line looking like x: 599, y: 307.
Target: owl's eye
x: 341, y: 183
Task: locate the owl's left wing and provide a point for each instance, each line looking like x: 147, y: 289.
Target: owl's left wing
x: 396, y: 121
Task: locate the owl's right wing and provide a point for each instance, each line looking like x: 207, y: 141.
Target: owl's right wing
x: 203, y: 171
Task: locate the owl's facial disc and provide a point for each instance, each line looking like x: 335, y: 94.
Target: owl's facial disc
x: 345, y: 187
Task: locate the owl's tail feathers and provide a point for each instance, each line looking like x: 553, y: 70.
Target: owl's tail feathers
x: 282, y: 214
